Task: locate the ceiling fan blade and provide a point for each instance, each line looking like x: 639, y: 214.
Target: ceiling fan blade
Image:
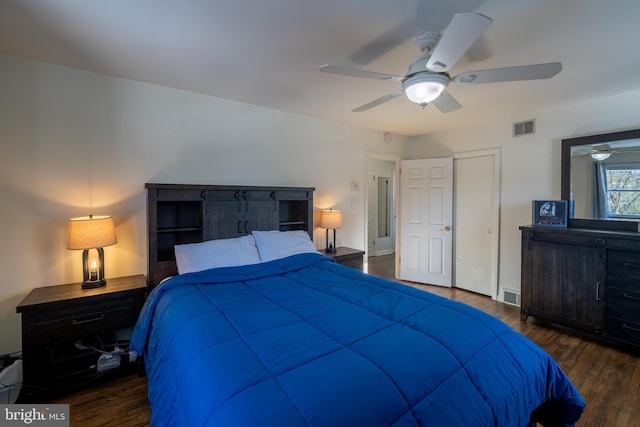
x: 377, y: 102
x: 460, y: 35
x: 423, y: 19
x: 355, y: 72
x: 446, y: 103
x: 510, y: 74
x: 384, y: 43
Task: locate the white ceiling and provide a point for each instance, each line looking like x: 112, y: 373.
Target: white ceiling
x: 267, y: 52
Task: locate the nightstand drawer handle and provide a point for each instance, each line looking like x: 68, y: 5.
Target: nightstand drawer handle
x: 94, y: 319
x: 632, y: 264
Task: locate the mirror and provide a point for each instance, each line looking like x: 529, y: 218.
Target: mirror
x: 384, y: 222
x: 583, y: 157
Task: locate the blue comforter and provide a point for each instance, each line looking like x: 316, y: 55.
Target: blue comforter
x: 305, y: 341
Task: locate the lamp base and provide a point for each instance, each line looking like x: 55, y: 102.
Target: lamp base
x: 330, y: 249
x: 95, y: 278
x: 93, y: 284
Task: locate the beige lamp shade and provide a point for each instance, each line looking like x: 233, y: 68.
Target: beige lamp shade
x: 330, y: 219
x: 89, y: 232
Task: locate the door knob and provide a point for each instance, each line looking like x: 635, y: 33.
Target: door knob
x: 447, y: 228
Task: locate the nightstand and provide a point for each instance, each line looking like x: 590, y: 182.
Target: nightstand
x: 54, y: 318
x: 347, y: 256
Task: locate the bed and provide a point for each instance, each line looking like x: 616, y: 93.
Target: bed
x: 292, y: 338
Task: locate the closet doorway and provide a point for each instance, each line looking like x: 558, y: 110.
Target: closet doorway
x: 381, y: 210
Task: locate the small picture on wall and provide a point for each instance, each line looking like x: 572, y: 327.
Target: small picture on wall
x: 550, y: 213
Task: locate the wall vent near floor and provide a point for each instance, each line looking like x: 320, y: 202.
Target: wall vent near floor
x: 511, y: 297
x: 528, y: 127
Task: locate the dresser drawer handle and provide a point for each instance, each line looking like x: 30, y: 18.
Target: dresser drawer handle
x: 94, y: 319
x: 627, y: 295
x: 632, y: 264
x: 631, y: 328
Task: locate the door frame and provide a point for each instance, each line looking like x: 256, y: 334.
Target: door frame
x: 392, y: 158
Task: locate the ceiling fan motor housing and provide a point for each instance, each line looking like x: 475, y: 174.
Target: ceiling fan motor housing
x: 427, y: 40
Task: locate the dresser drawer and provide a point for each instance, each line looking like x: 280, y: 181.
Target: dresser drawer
x: 623, y: 329
x: 624, y: 264
x: 623, y: 299
x: 79, y: 321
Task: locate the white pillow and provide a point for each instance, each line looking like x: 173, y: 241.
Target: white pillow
x: 216, y: 253
x: 280, y: 244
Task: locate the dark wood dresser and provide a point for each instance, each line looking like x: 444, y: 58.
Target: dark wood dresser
x: 585, y: 279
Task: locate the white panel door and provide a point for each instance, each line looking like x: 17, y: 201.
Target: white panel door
x: 426, y: 210
x: 477, y: 177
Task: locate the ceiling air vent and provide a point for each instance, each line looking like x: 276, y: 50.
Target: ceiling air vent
x: 528, y: 127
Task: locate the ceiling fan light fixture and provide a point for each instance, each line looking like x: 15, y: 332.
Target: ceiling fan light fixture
x: 424, y: 87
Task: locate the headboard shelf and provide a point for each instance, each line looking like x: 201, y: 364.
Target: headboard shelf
x: 291, y: 223
x: 185, y: 213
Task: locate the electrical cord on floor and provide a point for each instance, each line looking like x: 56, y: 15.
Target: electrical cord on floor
x: 80, y: 345
x: 117, y: 350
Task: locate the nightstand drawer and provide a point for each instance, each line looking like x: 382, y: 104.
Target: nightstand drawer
x: 349, y: 257
x: 353, y: 262
x: 76, y: 322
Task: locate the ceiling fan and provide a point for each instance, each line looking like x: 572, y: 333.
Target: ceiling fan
x: 597, y: 152
x: 427, y: 78
x: 601, y: 152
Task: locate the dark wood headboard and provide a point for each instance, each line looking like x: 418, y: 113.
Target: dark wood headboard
x: 183, y: 213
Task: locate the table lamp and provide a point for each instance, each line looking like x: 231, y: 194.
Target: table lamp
x: 331, y: 220
x: 91, y: 233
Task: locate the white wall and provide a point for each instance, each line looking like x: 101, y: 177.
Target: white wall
x: 530, y: 164
x: 74, y: 143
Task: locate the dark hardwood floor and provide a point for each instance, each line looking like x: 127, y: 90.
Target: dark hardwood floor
x: 607, y: 376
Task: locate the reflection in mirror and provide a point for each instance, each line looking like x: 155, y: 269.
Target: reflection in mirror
x: 384, y: 206
x: 601, y: 175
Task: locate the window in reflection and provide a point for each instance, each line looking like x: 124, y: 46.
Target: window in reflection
x: 618, y: 190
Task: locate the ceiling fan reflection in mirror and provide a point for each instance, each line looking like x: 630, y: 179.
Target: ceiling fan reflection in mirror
x: 597, y: 152
x: 601, y: 152
x: 427, y: 78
